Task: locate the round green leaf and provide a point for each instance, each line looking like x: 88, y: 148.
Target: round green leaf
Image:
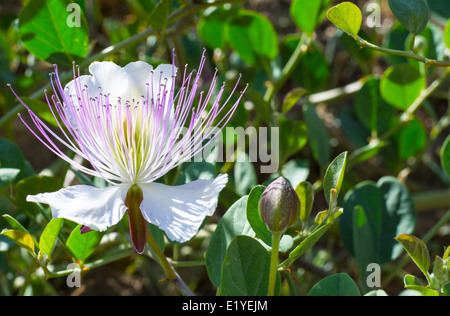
x: 401, y: 85
x: 251, y: 35
x: 412, y: 14
x: 347, y: 17
x: 54, y: 31
x: 339, y: 284
x: 389, y: 211
x: 445, y: 156
x: 411, y: 138
x: 308, y: 14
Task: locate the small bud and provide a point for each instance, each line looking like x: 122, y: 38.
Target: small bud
x: 279, y: 206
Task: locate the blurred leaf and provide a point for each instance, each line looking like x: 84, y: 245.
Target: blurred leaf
x: 158, y: 17
x: 244, y: 174
x: 305, y: 194
x: 49, y: 235
x: 347, y: 17
x: 308, y: 14
x: 445, y: 156
x: 389, y: 210
x: 334, y: 176
x: 401, y: 85
x: 412, y: 14
x: 11, y: 157
x: 8, y: 176
x: 291, y: 98
x: 447, y: 34
x: 293, y: 137
x: 34, y: 185
x: 371, y: 108
x: 212, y: 25
x: 412, y: 137
x: 252, y: 36
x: 317, y: 136
x: 233, y: 223
x: 417, y: 250
x: 339, y: 284
x: 245, y: 270
x: 83, y: 245
x: 44, y: 31
x: 441, y: 270
x: 295, y: 171
x: 23, y: 239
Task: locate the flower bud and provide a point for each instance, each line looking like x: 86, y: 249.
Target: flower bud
x: 279, y: 206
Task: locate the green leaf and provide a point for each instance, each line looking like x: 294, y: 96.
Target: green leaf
x: 245, y: 270
x: 308, y: 14
x: 412, y: 14
x: 291, y: 99
x: 423, y: 290
x: 417, y: 250
x: 347, y: 17
x: 83, y: 245
x: 244, y: 174
x: 233, y: 223
x: 317, y: 136
x: 15, y: 225
x: 305, y: 194
x: 371, y: 109
x: 401, y: 85
x: 45, y: 31
x: 255, y: 221
x: 11, y: 157
x: 412, y: 137
x: 445, y: 156
x: 447, y: 34
x: 212, y: 25
x: 334, y: 176
x: 251, y: 35
x: 158, y: 17
x: 389, y: 210
x: 339, y: 284
x: 308, y: 242
x: 49, y: 235
x: 21, y: 238
x: 293, y: 137
x: 441, y: 271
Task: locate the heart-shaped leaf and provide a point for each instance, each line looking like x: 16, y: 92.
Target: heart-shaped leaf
x: 347, y: 17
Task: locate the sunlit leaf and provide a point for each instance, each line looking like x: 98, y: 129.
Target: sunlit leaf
x: 347, y: 17
x: 45, y: 31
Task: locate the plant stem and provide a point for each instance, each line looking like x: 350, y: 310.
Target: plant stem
x: 408, y: 54
x: 274, y: 262
x: 172, y: 275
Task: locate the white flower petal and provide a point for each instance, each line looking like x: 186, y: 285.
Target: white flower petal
x: 112, y: 78
x: 96, y: 208
x: 180, y: 210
